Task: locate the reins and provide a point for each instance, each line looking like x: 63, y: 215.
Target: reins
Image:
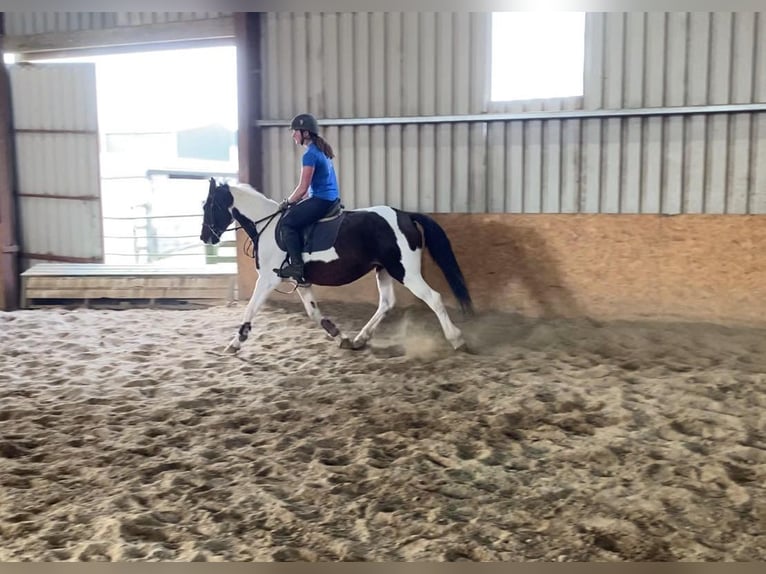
x: 250, y: 227
x: 253, y: 234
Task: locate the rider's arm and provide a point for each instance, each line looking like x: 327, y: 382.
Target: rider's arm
x: 307, y: 171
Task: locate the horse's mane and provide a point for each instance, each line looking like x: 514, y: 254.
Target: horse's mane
x: 250, y: 190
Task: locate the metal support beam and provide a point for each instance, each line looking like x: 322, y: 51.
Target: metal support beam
x: 527, y: 116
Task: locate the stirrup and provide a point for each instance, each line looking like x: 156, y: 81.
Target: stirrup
x: 297, y: 282
x: 300, y: 280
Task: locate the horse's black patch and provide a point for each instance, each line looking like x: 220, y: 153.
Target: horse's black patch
x: 408, y: 228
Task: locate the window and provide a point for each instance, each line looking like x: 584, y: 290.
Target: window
x: 537, y: 55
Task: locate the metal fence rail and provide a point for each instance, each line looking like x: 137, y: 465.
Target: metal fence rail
x: 147, y: 237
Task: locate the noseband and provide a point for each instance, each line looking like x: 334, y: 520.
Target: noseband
x: 212, y: 229
x: 214, y: 232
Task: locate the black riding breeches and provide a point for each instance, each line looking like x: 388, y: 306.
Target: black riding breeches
x: 300, y: 215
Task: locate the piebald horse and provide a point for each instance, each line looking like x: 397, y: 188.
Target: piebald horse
x: 341, y: 248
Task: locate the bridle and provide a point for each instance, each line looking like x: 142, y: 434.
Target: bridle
x: 214, y: 232
x: 249, y: 226
x: 215, y: 205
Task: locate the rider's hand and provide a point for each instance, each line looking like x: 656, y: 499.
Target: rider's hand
x: 284, y: 205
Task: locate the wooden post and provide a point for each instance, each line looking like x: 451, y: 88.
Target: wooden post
x: 248, y: 32
x: 9, y: 241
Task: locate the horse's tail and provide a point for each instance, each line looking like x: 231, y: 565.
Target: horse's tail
x: 440, y: 248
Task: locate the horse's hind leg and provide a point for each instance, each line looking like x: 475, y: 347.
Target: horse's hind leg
x: 312, y: 310
x: 385, y: 304
x: 263, y: 287
x: 414, y: 282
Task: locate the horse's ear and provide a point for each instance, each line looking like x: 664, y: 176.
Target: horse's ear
x: 211, y: 189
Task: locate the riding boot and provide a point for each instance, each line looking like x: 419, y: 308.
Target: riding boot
x: 294, y: 270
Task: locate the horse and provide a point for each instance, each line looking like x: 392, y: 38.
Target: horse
x: 339, y: 249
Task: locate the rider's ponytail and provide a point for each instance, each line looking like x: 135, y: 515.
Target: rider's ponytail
x: 323, y: 146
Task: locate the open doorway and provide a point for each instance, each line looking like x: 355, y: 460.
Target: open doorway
x: 167, y: 122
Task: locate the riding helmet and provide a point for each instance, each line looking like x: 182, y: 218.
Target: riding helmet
x: 305, y: 122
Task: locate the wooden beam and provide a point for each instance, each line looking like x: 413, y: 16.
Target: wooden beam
x: 249, y: 78
x: 59, y: 196
x: 129, y: 270
x: 129, y: 293
x: 171, y: 35
x: 9, y: 241
x: 106, y: 281
x: 82, y: 282
x: 248, y: 27
x: 61, y: 258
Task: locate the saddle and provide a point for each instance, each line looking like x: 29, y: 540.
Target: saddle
x: 321, y: 234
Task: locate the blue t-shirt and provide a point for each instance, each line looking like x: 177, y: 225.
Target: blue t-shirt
x: 324, y: 184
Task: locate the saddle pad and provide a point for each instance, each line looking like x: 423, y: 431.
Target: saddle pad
x: 318, y: 236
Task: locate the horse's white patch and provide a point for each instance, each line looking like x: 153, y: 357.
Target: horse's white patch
x: 410, y: 257
x: 325, y: 256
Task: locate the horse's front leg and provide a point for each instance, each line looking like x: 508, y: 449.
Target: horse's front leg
x: 312, y: 310
x: 264, y: 285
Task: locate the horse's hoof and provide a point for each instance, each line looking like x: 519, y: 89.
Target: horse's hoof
x: 345, y: 343
x: 464, y: 348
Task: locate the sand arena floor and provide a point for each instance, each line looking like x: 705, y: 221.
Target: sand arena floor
x: 124, y: 437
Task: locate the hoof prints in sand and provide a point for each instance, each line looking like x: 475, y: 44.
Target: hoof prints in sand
x: 125, y: 438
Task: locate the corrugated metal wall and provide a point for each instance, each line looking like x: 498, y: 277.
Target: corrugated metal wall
x: 381, y: 64
x: 353, y: 65
x: 57, y: 162
x: 30, y: 23
x: 393, y: 64
x: 375, y: 64
x: 689, y: 164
